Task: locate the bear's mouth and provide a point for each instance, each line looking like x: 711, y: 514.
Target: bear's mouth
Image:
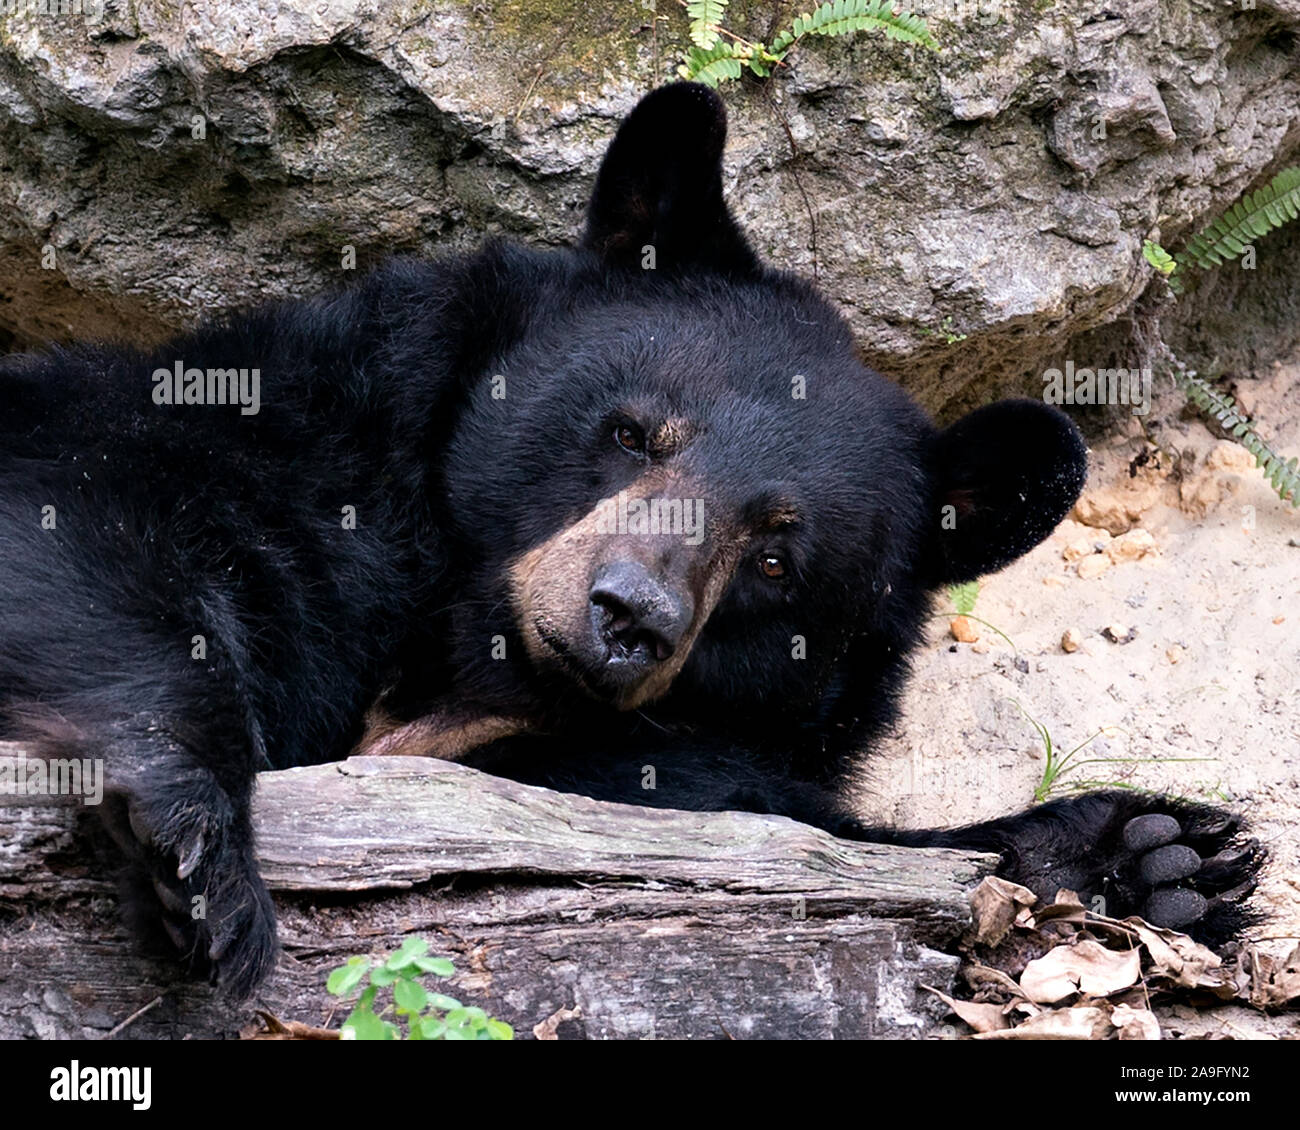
x: 555, y: 642
x: 568, y: 662
x: 616, y: 681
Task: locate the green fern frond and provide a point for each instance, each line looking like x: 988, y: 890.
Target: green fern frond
x: 964, y: 596
x: 712, y: 66
x: 705, y: 17
x: 842, y: 17
x: 1282, y: 475
x: 713, y: 59
x: 1254, y: 215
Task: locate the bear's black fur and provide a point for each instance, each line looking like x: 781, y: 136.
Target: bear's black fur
x: 474, y: 412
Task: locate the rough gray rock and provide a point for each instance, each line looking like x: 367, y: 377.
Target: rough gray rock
x: 181, y: 158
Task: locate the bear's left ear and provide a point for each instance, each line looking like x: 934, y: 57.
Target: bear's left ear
x: 1004, y: 477
x: 660, y: 187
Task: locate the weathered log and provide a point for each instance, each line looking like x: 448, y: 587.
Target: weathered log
x: 647, y: 922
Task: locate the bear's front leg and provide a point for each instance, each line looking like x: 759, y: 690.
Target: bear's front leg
x: 188, y: 841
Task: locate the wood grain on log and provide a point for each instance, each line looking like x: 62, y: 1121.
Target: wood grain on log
x: 647, y: 922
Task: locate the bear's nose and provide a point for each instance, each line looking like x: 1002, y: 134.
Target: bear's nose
x: 637, y: 618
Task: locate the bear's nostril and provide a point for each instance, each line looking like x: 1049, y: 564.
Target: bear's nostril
x: 620, y: 628
x: 615, y: 616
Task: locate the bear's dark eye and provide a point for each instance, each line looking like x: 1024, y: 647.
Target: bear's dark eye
x: 771, y: 565
x: 630, y: 438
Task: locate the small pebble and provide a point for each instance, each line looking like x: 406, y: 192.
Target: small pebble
x: 1078, y: 549
x: 1117, y: 633
x: 1092, y: 567
x: 963, y: 631
x: 1071, y: 639
x: 1132, y: 546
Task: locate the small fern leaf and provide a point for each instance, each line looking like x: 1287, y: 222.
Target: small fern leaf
x: 843, y: 17
x: 1158, y: 257
x: 705, y: 17
x: 782, y: 43
x: 711, y: 67
x: 1253, y: 216
x: 1282, y: 476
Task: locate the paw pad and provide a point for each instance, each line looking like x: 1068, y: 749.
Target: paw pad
x: 1153, y: 830
x: 1186, y: 883
x: 1168, y: 864
x: 1175, y: 907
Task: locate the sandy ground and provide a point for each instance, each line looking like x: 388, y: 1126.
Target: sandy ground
x: 1203, y: 701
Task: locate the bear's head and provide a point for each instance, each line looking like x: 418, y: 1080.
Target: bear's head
x: 681, y: 483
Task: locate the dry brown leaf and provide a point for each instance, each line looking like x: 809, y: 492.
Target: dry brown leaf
x: 1027, y: 1007
x: 983, y: 1017
x: 1063, y: 1024
x: 277, y: 1029
x: 1066, y: 904
x: 1087, y: 967
x: 1273, y: 983
x: 547, y: 1028
x: 1183, y: 961
x: 1135, y: 1023
x: 995, y: 903
x: 979, y: 975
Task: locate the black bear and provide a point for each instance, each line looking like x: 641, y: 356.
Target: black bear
x: 558, y: 514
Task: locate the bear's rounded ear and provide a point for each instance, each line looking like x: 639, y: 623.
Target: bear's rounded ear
x: 658, y: 195
x: 1004, y: 478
